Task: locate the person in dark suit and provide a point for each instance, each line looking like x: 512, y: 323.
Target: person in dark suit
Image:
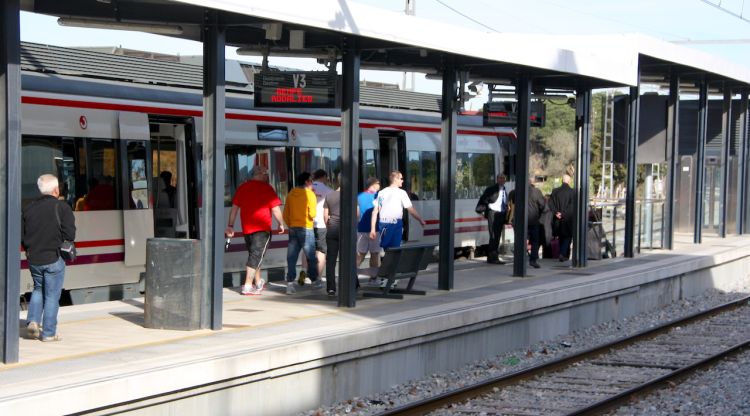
x: 536, y: 213
x: 563, y: 206
x: 495, y: 199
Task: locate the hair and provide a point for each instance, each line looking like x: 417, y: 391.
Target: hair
x: 258, y: 170
x: 393, y: 175
x: 372, y: 181
x: 500, y: 176
x: 47, y: 184
x: 302, y: 178
x: 320, y: 173
x: 166, y: 175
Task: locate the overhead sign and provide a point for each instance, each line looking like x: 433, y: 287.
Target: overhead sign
x: 295, y: 89
x: 505, y: 114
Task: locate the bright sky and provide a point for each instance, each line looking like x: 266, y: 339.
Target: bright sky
x: 694, y: 21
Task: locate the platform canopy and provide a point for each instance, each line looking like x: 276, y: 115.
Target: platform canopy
x: 388, y: 40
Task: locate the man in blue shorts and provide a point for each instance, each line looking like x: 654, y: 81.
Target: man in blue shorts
x: 390, y: 205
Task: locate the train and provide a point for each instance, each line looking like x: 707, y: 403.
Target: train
x: 127, y: 152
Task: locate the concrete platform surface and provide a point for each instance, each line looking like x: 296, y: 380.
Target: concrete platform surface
x: 108, y: 358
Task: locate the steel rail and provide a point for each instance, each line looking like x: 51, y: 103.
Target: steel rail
x: 424, y: 406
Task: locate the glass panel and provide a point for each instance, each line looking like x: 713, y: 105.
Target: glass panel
x: 414, y: 169
x: 474, y: 172
x: 138, y: 180
x: 314, y: 158
x: 39, y: 156
x: 430, y: 175
x: 369, y: 168
x: 101, y: 172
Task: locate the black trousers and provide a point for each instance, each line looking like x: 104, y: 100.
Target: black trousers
x: 496, y: 227
x: 332, y: 255
x: 535, y: 239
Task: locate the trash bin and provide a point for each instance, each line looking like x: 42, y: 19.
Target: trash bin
x: 173, y: 284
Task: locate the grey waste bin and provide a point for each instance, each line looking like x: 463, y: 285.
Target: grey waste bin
x: 173, y: 284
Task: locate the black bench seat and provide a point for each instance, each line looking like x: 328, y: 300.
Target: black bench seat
x: 403, y: 262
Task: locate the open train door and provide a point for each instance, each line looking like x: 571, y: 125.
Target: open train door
x: 137, y: 216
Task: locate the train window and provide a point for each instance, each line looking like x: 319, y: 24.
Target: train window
x: 101, y: 171
x: 273, y: 133
x: 423, y: 174
x: 369, y: 167
x: 474, y: 172
x: 241, y: 159
x: 311, y: 159
x: 138, y: 180
x: 39, y: 155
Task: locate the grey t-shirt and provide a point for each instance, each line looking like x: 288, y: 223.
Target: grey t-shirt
x: 333, y: 203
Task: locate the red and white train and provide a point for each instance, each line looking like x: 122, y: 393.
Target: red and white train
x: 108, y: 141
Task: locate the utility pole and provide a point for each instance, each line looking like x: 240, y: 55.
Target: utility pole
x: 408, y: 84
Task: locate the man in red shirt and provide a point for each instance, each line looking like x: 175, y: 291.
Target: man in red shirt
x: 257, y: 201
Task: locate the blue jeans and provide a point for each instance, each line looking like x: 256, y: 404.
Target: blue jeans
x: 48, y: 283
x: 301, y: 239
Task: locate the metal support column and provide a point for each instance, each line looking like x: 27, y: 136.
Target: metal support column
x: 10, y: 178
x: 673, y: 160
x: 583, y: 127
x: 634, y: 112
x: 742, y: 168
x: 449, y: 106
x: 350, y: 145
x: 700, y: 173
x: 521, y: 192
x: 212, y: 216
x: 726, y: 144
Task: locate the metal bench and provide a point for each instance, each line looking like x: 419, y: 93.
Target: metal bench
x: 403, y: 262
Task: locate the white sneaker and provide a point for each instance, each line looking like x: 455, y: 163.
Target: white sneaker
x: 318, y: 284
x: 290, y: 289
x: 261, y: 285
x: 246, y: 289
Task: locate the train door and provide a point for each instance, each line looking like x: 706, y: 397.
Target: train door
x: 169, y: 179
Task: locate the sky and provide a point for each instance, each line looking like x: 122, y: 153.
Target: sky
x: 698, y: 24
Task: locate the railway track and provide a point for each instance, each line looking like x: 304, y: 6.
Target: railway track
x: 599, y: 379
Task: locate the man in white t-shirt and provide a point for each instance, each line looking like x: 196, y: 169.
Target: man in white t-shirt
x: 390, y: 205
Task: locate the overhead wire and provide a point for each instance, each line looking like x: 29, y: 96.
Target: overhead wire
x: 718, y: 6
x: 467, y: 17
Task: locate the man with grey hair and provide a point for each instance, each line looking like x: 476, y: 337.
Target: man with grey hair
x: 47, y: 223
x: 257, y: 201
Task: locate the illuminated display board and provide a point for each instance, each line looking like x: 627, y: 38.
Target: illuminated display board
x: 295, y: 89
x: 505, y: 114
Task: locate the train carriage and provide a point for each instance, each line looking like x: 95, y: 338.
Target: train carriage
x: 109, y: 142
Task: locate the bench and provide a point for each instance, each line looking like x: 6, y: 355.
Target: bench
x: 403, y: 262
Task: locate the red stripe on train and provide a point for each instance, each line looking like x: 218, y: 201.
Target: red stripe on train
x: 89, y: 259
x: 236, y: 116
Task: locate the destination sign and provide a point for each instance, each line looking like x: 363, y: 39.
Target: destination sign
x: 295, y: 89
x: 505, y: 114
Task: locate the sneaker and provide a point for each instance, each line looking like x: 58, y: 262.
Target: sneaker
x: 53, y: 338
x: 374, y: 281
x: 290, y: 289
x: 33, y: 330
x: 318, y: 284
x: 331, y: 292
x: 261, y: 285
x: 301, y: 278
x: 252, y: 292
x: 384, y: 282
x: 246, y: 289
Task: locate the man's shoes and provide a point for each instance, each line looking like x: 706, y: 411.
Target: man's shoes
x: 301, y: 278
x: 33, y: 330
x: 562, y: 259
x: 290, y: 289
x: 490, y: 260
x: 318, y: 284
x: 534, y: 264
x: 331, y: 292
x: 374, y: 282
x: 53, y: 338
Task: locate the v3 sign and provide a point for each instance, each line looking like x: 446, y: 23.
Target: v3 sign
x: 295, y: 89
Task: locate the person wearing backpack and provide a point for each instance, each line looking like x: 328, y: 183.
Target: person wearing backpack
x: 47, y: 224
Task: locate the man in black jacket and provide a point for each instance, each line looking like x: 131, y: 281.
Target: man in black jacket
x: 47, y: 222
x: 495, y: 200
x: 536, y: 213
x: 562, y: 203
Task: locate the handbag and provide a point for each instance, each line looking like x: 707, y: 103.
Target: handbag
x: 68, y: 250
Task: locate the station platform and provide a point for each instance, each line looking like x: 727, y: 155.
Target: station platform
x: 281, y: 354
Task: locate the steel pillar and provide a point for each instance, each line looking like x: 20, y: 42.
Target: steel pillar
x: 10, y: 178
x: 726, y: 143
x: 521, y: 192
x: 350, y: 145
x: 212, y: 216
x: 634, y: 111
x: 700, y: 173
x: 673, y: 159
x: 583, y: 127
x: 449, y: 106
x: 742, y: 193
